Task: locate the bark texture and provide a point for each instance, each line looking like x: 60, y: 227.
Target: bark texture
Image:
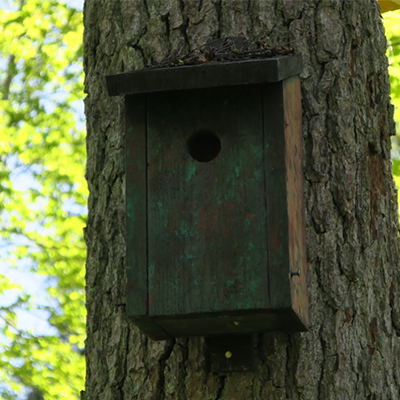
x: 352, y: 350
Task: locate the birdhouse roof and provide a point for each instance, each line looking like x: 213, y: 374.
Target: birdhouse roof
x: 212, y: 74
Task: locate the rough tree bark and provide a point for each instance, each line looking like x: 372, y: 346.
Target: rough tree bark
x: 352, y: 350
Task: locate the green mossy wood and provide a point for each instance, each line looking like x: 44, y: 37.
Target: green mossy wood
x: 214, y: 195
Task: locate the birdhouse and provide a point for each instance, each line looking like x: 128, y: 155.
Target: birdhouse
x: 215, y: 241
x: 389, y: 5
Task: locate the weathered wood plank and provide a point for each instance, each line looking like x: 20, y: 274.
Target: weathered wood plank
x: 136, y: 209
x: 295, y: 196
x: 136, y: 218
x: 275, y: 182
x: 225, y: 323
x: 208, y: 75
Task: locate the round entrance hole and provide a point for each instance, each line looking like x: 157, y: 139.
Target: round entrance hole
x: 204, y: 146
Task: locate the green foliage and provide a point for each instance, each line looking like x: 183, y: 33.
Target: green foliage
x: 392, y: 28
x: 42, y: 217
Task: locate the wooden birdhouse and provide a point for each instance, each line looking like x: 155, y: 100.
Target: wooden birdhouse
x: 389, y: 5
x: 214, y: 198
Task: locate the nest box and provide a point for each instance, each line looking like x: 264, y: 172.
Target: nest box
x: 214, y: 198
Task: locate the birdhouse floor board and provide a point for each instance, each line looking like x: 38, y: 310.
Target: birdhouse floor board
x: 152, y: 329
x: 214, y: 324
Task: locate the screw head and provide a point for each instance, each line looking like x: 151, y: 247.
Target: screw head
x: 228, y: 354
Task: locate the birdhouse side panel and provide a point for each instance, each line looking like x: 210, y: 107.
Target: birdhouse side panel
x: 295, y: 197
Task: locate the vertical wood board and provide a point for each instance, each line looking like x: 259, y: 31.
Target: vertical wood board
x: 136, y: 209
x: 295, y: 196
x: 275, y: 183
x: 136, y: 217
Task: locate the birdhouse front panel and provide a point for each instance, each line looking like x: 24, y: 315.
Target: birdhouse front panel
x: 215, y: 212
x: 207, y: 228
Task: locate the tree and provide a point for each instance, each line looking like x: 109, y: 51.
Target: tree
x: 351, y: 350
x: 42, y: 198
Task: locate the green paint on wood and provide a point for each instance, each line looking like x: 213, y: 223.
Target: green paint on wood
x: 136, y: 254
x: 190, y: 171
x: 217, y: 231
x: 258, y: 175
x: 258, y: 151
x: 237, y: 171
x: 130, y: 209
x: 212, y: 203
x: 152, y: 268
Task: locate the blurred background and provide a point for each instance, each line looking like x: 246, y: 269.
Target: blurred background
x: 43, y: 194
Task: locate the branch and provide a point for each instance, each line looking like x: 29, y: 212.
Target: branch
x: 11, y: 72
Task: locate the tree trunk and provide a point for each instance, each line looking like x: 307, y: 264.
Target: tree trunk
x: 352, y: 349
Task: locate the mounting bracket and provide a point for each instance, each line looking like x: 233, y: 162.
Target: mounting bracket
x: 231, y: 353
